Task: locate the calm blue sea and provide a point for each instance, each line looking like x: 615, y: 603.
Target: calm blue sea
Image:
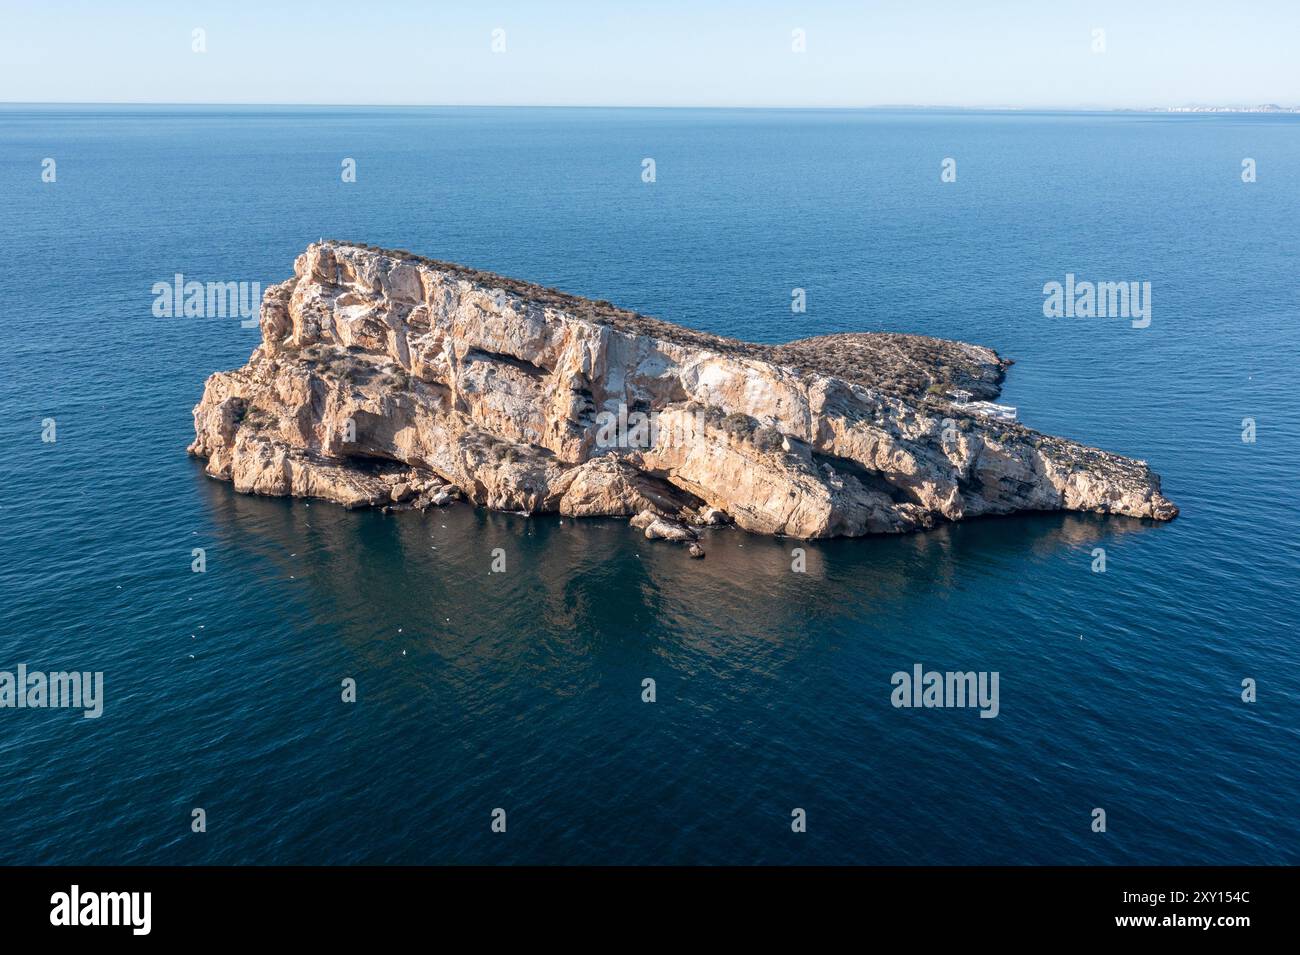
x: 522, y: 691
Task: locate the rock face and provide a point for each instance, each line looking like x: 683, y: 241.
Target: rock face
x: 388, y: 379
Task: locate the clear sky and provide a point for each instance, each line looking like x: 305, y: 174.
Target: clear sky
x: 1024, y: 53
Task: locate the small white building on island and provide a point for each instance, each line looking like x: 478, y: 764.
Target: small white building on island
x: 988, y: 409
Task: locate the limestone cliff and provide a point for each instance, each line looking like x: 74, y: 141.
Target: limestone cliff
x: 386, y: 378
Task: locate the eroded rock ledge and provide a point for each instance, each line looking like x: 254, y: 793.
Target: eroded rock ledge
x: 384, y: 378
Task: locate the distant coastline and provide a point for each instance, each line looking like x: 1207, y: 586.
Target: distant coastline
x: 1264, y: 108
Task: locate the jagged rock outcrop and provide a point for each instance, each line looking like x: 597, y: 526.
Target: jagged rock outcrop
x: 384, y: 379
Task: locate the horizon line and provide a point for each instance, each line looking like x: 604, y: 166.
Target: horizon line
x: 1223, y: 107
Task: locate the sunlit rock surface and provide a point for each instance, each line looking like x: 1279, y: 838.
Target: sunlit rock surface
x: 387, y: 379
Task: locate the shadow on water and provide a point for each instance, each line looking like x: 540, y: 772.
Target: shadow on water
x: 527, y: 682
x: 583, y: 587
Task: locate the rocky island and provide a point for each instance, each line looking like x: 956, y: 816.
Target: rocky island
x: 388, y: 379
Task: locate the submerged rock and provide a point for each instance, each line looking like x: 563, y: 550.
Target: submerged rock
x: 385, y: 378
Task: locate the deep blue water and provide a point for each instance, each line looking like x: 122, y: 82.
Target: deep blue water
x: 1118, y: 690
